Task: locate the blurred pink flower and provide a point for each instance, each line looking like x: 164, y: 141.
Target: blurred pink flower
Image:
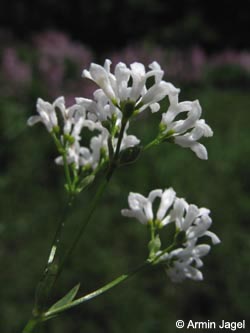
x: 58, y: 55
x: 198, y: 61
x: 180, y: 65
x: 232, y: 57
x: 138, y: 53
x: 14, y: 69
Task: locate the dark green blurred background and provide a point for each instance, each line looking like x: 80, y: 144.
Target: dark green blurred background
x: 204, y: 53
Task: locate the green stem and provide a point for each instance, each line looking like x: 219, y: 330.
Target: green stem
x: 30, y: 326
x: 97, y: 196
x: 168, y: 249
x: 63, y: 151
x: 49, y: 275
x: 152, y: 230
x: 97, y: 292
x: 58, y: 234
x: 67, y: 173
x: 118, y: 147
x: 153, y: 143
x: 82, y: 228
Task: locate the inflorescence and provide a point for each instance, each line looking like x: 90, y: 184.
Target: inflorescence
x: 91, y: 135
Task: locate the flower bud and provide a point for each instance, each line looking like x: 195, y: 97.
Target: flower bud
x: 154, y: 246
x: 130, y: 155
x: 180, y: 237
x: 128, y: 109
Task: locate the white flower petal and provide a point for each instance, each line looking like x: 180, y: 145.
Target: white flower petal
x: 155, y: 107
x: 192, y: 213
x: 215, y: 239
x: 167, y: 200
x: 33, y: 120
x: 200, y: 150
x: 139, y: 80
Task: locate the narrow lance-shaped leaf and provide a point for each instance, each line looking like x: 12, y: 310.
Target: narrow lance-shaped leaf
x: 66, y: 299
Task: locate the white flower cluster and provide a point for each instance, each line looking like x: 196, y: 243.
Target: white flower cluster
x: 74, y: 121
x: 118, y: 89
x: 120, y: 96
x: 183, y: 259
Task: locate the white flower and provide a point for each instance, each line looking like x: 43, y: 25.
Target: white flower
x: 73, y: 155
x: 117, y: 86
x: 179, y: 129
x: 83, y: 156
x: 184, y: 262
x: 70, y: 115
x: 182, y: 270
x: 141, y: 207
x: 193, y: 220
x: 47, y: 114
x: 99, y: 109
x: 102, y: 77
x: 128, y: 141
x: 97, y: 143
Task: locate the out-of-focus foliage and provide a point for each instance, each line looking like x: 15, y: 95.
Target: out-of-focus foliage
x: 32, y: 197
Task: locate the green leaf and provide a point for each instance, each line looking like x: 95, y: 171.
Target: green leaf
x: 66, y: 299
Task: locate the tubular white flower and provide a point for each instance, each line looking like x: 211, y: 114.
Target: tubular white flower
x: 47, y: 114
x: 193, y: 220
x: 102, y: 77
x: 184, y: 262
x: 141, y: 207
x: 156, y: 93
x: 128, y: 141
x: 182, y: 270
x: 97, y: 144
x: 138, y: 74
x: 179, y: 129
x: 167, y: 200
x: 99, y: 109
x: 84, y: 156
x: 144, y: 212
x: 186, y: 141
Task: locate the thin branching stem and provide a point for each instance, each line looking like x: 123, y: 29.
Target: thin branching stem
x: 151, y: 144
x: 98, y: 195
x: 49, y: 275
x: 83, y: 226
x: 29, y: 327
x: 98, y: 292
x: 58, y: 234
x: 112, y: 166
